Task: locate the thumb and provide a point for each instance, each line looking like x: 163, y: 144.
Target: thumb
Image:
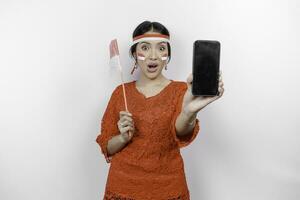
x: 189, y: 81
x: 130, y: 134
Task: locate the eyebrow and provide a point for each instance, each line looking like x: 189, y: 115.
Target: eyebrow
x: 157, y: 43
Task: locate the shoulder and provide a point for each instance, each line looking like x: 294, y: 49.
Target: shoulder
x: 180, y: 86
x: 119, y: 88
x: 116, y: 92
x: 126, y: 84
x: 180, y: 83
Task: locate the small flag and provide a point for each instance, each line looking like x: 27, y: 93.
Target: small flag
x: 115, y: 63
x: 114, y: 54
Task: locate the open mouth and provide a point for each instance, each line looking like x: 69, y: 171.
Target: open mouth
x: 152, y: 67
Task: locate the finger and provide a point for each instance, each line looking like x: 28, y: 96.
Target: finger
x: 189, y: 80
x: 221, y: 82
x: 127, y: 128
x: 126, y: 118
x: 122, y: 113
x: 130, y: 134
x: 221, y: 90
x: 126, y: 123
x: 128, y: 113
x: 125, y: 113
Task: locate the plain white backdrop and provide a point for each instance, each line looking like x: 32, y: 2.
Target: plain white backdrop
x: 55, y: 85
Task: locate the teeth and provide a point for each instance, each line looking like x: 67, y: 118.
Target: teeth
x: 152, y: 66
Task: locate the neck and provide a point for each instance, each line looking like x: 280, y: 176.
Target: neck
x: 145, y: 81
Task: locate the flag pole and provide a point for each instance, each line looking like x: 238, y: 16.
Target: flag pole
x: 124, y: 93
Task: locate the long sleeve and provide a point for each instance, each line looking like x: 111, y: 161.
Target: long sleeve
x: 185, y: 140
x: 109, y: 127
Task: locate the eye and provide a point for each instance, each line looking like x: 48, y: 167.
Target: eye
x: 144, y: 47
x: 162, y: 48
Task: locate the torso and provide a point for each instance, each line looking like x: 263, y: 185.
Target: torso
x: 152, y: 160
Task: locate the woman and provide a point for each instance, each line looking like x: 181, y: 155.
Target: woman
x: 143, y: 145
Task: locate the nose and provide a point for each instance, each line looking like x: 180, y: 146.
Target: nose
x: 153, y: 55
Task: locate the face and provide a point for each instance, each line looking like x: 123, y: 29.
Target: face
x: 151, y: 57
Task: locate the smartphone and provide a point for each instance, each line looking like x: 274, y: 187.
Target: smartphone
x: 206, y: 61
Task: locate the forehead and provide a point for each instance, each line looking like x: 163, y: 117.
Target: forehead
x: 153, y: 42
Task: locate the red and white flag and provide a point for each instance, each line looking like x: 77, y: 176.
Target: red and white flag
x: 115, y: 63
x: 114, y: 55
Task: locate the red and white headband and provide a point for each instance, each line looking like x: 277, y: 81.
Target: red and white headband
x: 151, y: 37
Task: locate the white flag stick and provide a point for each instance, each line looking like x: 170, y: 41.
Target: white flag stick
x: 124, y: 93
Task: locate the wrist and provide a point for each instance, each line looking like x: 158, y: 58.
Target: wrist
x: 122, y: 139
x: 191, y: 116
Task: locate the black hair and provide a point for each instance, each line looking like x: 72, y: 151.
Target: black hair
x: 148, y: 26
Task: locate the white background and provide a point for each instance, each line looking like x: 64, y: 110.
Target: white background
x: 55, y: 86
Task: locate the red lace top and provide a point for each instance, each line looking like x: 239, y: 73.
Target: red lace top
x: 150, y: 166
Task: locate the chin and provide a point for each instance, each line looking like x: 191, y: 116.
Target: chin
x: 153, y: 75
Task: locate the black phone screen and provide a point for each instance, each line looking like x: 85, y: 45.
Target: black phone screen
x: 206, y: 59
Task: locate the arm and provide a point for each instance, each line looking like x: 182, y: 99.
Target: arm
x: 115, y: 144
x: 185, y: 123
x: 109, y: 138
